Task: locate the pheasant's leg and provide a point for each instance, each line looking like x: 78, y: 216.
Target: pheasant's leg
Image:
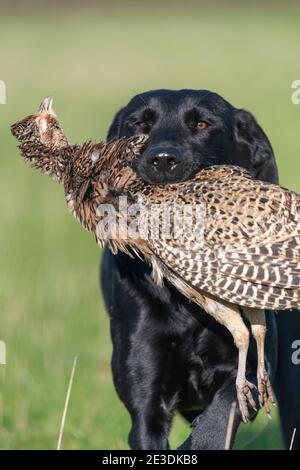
x: 257, y: 321
x: 243, y: 386
x: 230, y: 316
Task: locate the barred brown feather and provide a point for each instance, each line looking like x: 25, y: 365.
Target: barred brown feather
x: 247, y: 253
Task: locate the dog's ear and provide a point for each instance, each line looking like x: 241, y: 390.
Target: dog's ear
x: 253, y: 143
x: 114, y: 132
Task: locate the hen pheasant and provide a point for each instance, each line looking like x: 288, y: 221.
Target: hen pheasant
x: 243, y: 256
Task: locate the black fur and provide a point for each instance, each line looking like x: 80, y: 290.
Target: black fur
x: 167, y: 353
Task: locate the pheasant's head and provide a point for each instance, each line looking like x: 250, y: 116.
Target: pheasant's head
x: 41, y: 127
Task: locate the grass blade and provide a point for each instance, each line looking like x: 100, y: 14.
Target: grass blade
x: 63, y: 419
x: 230, y: 426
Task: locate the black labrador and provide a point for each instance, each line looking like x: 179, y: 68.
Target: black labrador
x: 168, y: 354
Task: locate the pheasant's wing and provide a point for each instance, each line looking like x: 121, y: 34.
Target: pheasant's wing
x: 242, y: 211
x: 276, y: 264
x: 249, y: 251
x: 231, y: 279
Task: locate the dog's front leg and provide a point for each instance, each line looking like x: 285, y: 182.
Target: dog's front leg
x: 210, y: 428
x: 148, y: 395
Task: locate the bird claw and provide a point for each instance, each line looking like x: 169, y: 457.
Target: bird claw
x: 245, y: 398
x: 265, y: 393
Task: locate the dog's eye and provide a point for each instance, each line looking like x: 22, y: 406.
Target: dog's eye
x: 202, y: 125
x: 143, y: 126
x: 147, y: 120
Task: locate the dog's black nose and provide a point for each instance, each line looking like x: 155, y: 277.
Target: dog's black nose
x: 162, y: 164
x: 164, y: 160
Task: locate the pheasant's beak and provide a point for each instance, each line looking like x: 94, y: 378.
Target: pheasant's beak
x: 46, y: 106
x: 45, y: 114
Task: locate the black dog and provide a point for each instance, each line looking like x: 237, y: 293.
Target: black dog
x: 167, y: 353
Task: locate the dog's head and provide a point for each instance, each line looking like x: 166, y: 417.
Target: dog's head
x: 192, y: 129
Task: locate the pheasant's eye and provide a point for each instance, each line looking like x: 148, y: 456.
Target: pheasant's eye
x: 202, y: 125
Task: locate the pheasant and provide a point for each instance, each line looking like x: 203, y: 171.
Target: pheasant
x: 242, y: 254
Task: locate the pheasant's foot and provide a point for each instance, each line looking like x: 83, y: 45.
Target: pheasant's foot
x: 245, y: 398
x: 265, y: 391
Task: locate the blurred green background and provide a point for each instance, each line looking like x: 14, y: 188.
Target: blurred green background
x: 93, y: 58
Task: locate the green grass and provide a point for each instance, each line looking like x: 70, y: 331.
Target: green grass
x: 93, y: 61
